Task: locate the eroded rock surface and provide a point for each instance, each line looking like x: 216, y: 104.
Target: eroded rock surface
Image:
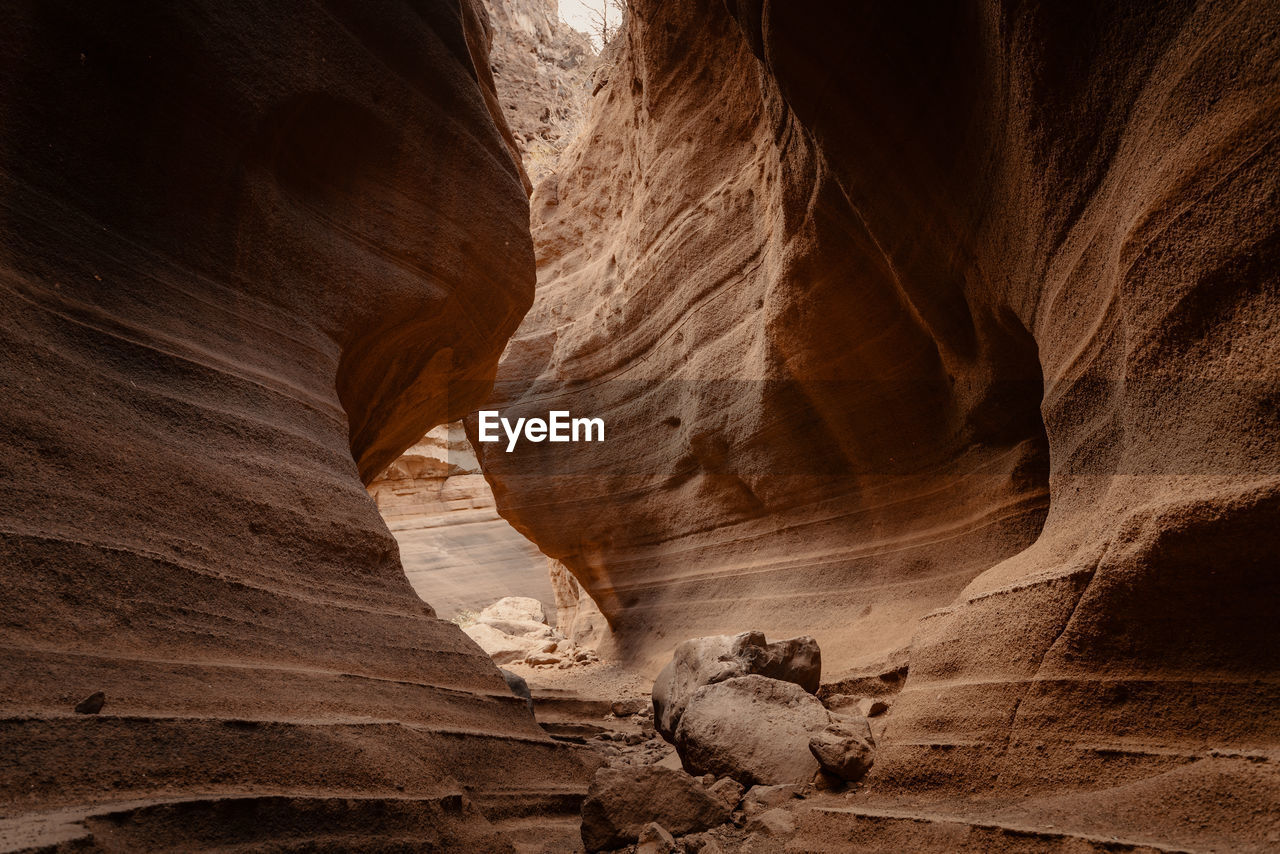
x: 751, y: 728
x: 250, y: 254
x: 542, y: 69
x: 514, y: 629
x: 955, y: 326
x: 622, y: 801
x: 844, y: 749
x: 705, y: 661
x: 787, y: 447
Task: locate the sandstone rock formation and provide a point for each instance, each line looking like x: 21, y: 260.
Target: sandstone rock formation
x: 622, y: 801
x: 577, y: 616
x: 753, y: 729
x: 705, y: 661
x: 948, y: 328
x: 250, y: 253
x: 457, y: 552
x: 702, y: 284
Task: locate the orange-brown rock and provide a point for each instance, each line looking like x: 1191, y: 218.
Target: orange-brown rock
x: 250, y: 253
x: 955, y: 325
x: 705, y: 284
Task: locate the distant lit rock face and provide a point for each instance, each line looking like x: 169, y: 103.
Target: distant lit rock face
x: 954, y: 331
x: 542, y: 69
x: 457, y: 552
x: 250, y: 254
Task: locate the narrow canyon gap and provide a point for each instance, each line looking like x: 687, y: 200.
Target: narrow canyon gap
x: 946, y: 334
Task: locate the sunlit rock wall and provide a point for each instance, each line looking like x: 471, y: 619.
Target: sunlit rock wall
x: 457, y: 552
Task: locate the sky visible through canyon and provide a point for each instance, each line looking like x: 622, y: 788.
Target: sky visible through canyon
x: 579, y: 15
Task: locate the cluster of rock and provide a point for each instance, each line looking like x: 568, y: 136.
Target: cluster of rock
x: 514, y: 630
x: 637, y: 748
x: 751, y: 736
x: 738, y: 706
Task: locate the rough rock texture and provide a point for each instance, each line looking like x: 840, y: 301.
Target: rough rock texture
x: 702, y: 283
x: 515, y: 609
x: 505, y: 647
x: 577, y: 616
x: 515, y: 629
x: 956, y: 323
x: 762, y: 798
x: 542, y: 69
x: 753, y: 729
x: 519, y: 687
x: 621, y: 801
x: 706, y: 661
x: 655, y: 839
x: 728, y: 790
x: 844, y: 749
x: 250, y: 253
x: 457, y: 552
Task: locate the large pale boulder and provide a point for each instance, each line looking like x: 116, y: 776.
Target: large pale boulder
x: 521, y: 628
x: 621, y: 802
x: 500, y: 646
x: 706, y: 661
x: 515, y: 608
x: 751, y: 728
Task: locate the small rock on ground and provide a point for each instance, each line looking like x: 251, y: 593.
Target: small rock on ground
x: 91, y: 704
x: 774, y: 822
x: 655, y: 839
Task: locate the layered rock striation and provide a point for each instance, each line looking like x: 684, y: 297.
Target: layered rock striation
x: 457, y: 551
x: 249, y: 256
x: 950, y: 328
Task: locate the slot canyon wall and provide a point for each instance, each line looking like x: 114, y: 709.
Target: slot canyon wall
x: 939, y: 333
x: 249, y: 256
